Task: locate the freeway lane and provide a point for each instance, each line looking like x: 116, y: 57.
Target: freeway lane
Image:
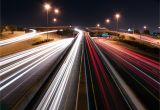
x: 23, y: 37
x: 103, y: 90
x: 139, y: 72
x: 23, y: 73
x: 62, y: 93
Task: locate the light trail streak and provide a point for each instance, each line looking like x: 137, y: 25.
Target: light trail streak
x: 13, y: 57
x: 34, y: 60
x: 117, y: 93
x: 23, y: 37
x: 128, y: 95
x: 144, y: 72
x: 131, y: 58
x: 53, y: 96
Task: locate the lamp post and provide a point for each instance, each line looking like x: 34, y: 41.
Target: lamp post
x: 117, y: 18
x: 47, y: 8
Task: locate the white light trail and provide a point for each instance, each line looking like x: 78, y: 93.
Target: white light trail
x: 23, y: 37
x: 40, y: 54
x: 53, y: 97
x: 8, y: 59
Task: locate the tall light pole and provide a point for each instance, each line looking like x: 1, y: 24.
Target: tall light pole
x: 47, y: 8
x: 117, y: 18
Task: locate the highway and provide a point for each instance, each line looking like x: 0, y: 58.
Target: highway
x: 23, y: 73
x: 47, y: 77
x: 23, y: 37
x: 118, y: 78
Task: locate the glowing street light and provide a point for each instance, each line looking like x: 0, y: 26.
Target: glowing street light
x: 107, y: 20
x: 145, y: 27
x: 98, y: 25
x: 56, y: 11
x: 117, y: 17
x: 47, y: 8
x: 54, y: 20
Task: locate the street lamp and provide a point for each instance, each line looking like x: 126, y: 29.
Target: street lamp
x: 56, y: 11
x: 145, y: 27
x: 107, y: 20
x: 117, y: 17
x: 47, y: 8
x: 98, y: 25
x: 54, y: 20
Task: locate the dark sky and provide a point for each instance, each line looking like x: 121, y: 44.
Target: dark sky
x: 134, y: 13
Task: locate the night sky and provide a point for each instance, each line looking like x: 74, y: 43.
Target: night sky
x: 134, y: 13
